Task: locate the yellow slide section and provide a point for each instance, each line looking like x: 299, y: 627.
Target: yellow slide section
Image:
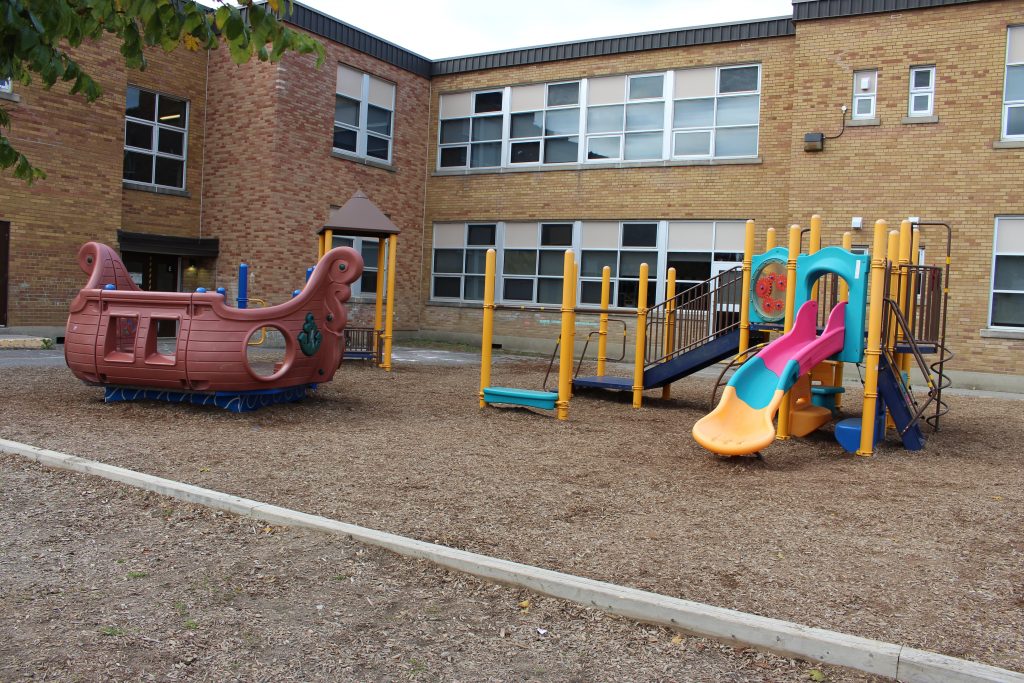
x: 734, y: 428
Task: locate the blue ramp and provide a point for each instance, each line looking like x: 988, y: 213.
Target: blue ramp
x: 892, y: 391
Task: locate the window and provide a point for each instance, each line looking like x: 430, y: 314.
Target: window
x: 470, y: 132
x: 1007, y: 305
x: 364, y: 109
x: 155, y: 139
x: 550, y: 134
x: 1013, y: 93
x: 865, y: 84
x: 460, y: 257
x: 922, y: 91
x: 368, y: 248
x: 626, y: 118
x: 623, y: 247
x: 717, y: 112
x: 533, y: 261
x: 5, y: 85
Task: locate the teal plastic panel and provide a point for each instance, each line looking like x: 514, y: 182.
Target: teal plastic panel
x: 545, y: 400
x: 855, y: 269
x: 756, y: 261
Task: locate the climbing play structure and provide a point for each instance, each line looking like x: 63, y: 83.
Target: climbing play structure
x: 798, y: 375
x: 113, y: 336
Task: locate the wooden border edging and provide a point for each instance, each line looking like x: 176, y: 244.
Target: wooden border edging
x: 784, y: 637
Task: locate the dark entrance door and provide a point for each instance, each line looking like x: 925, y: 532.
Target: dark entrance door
x: 155, y: 273
x: 5, y: 268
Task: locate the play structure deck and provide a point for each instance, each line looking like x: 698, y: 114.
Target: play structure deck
x: 114, y: 336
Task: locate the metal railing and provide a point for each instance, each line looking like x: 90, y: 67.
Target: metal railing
x: 694, y: 317
x: 364, y: 340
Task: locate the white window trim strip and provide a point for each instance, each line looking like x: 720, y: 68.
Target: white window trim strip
x: 992, y: 277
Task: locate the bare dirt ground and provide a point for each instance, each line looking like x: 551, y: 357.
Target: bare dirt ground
x: 103, y: 582
x: 921, y: 548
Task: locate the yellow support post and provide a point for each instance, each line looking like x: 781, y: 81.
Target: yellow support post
x: 782, y: 432
x: 906, y: 238
x: 389, y: 319
x: 911, y: 312
x: 892, y: 253
x: 844, y: 295
x: 487, y: 337
x: 320, y: 246
x: 769, y: 239
x: 748, y: 255
x: 670, y: 324
x: 602, y: 329
x: 814, y: 246
x: 328, y: 240
x: 378, y: 310
x: 874, y: 347
x: 641, y: 341
x: 568, y: 337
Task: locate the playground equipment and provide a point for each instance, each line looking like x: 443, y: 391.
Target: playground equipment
x: 361, y: 218
x: 545, y: 400
x: 112, y: 336
x: 907, y: 301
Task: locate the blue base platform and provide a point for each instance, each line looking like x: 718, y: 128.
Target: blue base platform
x: 235, y: 401
x: 545, y: 400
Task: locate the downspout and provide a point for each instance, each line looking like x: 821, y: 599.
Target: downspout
x: 202, y: 163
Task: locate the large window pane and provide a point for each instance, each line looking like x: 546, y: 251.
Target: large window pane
x: 563, y: 94
x: 138, y: 135
x: 369, y: 250
x: 140, y: 104
x: 556, y: 235
x: 696, y: 143
x: 448, y: 260
x: 456, y: 130
x: 738, y: 79
x: 694, y: 267
x: 481, y: 235
x: 642, y: 146
x: 378, y: 120
x: 487, y: 128
x: 170, y: 172
x: 476, y: 261
x: 474, y: 288
x: 520, y: 262
x: 1008, y: 310
x: 451, y: 156
x: 694, y: 113
x: 344, y: 138
x: 448, y: 287
x: 629, y: 262
x: 590, y: 292
x: 922, y: 78
x: 604, y: 147
x: 172, y: 112
x: 346, y: 110
x: 485, y: 154
x: 1015, y: 120
x: 562, y: 122
x: 605, y: 119
x: 736, y: 142
x: 368, y: 282
x: 593, y: 262
x: 1014, y: 83
x: 552, y: 262
x: 549, y: 290
x: 487, y: 102
x: 645, y: 87
x: 560, y: 150
x: 640, y: 235
x: 528, y: 125
x: 525, y: 152
x: 138, y: 167
x: 738, y: 111
x: 517, y: 290
x: 1009, y: 273
x: 171, y: 142
x: 377, y: 147
x: 646, y: 116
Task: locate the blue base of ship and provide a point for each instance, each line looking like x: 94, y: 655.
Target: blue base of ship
x: 235, y: 401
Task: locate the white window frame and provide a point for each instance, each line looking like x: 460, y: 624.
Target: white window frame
x: 362, y: 131
x: 543, y: 137
x: 1011, y: 104
x: 498, y: 238
x: 992, y: 283
x: 918, y: 92
x: 358, y: 243
x: 536, y: 277
x: 153, y: 151
x: 623, y: 131
x: 502, y: 140
x: 714, y: 128
x: 871, y: 96
x: 5, y: 85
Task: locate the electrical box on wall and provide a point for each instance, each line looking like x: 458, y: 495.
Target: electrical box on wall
x: 814, y: 142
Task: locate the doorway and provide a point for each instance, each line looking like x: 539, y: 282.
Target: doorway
x: 155, y: 273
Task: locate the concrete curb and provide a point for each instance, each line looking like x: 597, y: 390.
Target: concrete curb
x: 784, y: 637
x: 35, y: 343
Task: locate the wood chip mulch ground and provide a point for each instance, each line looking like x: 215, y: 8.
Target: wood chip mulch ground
x: 922, y: 549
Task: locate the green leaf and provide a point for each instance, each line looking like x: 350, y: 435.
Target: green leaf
x: 221, y: 16
x: 816, y: 675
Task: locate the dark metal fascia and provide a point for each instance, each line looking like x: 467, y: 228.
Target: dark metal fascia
x: 687, y: 37
x: 825, y: 9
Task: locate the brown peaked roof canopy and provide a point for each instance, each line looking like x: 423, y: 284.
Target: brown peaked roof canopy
x: 360, y: 217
